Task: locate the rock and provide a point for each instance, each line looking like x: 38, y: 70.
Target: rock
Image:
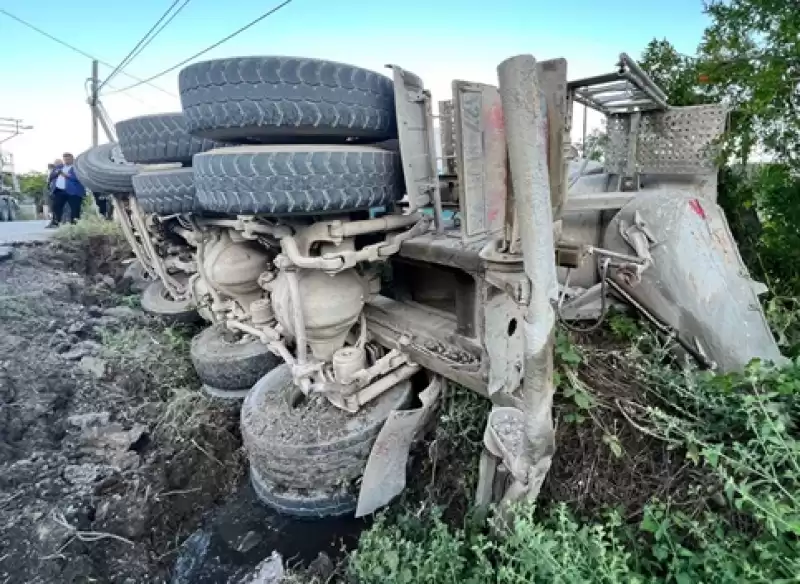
x: 115, y: 444
x: 59, y: 291
x: 77, y: 328
x: 86, y: 474
x: 62, y: 347
x: 80, y: 511
x: 72, y: 354
x: 89, y: 420
x: 103, y: 322
x: 91, y: 347
x: 247, y: 542
x: 126, y: 460
x: 191, y: 555
x: 104, y: 280
x: 59, y: 336
x: 123, y: 312
x: 322, y: 568
x: 94, y: 366
x: 82, y: 349
x: 6, y: 252
x: 122, y: 516
x: 269, y: 571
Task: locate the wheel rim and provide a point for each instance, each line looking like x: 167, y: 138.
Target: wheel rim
x: 165, y: 295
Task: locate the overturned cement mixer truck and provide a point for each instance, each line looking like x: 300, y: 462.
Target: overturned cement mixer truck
x: 348, y: 271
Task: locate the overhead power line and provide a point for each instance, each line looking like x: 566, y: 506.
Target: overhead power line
x: 158, y: 32
x: 207, y: 49
x: 79, y: 51
x: 146, y: 39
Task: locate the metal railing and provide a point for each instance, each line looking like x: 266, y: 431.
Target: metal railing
x: 628, y: 89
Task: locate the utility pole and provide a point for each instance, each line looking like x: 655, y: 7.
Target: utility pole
x: 93, y: 103
x: 11, y: 127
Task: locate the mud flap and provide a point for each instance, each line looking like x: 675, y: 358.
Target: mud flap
x: 695, y: 281
x: 385, y: 474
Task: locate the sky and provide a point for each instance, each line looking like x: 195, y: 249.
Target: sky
x: 43, y: 83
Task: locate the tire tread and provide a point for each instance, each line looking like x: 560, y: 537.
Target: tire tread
x: 273, y: 181
x: 274, y: 99
x: 165, y: 192
x: 159, y: 139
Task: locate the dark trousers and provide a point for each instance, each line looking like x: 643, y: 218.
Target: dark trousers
x: 103, y: 205
x: 60, y: 200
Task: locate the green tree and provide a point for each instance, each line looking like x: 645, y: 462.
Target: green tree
x: 596, y: 141
x: 33, y: 185
x: 750, y: 55
x: 678, y: 75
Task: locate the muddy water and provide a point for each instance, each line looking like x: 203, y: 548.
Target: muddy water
x: 242, y: 531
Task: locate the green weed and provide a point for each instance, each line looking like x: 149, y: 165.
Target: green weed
x: 88, y: 227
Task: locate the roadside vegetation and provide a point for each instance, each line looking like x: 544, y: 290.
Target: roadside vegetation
x: 664, y: 473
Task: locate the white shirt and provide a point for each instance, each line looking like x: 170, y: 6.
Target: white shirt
x: 61, y: 182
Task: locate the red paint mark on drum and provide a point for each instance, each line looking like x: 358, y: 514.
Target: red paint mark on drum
x: 695, y: 205
x: 496, y: 139
x: 496, y: 121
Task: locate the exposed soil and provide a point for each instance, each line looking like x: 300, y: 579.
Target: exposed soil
x: 109, y: 457
x: 605, y: 460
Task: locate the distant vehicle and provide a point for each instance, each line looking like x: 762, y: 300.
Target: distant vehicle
x: 8, y: 205
x: 9, y: 188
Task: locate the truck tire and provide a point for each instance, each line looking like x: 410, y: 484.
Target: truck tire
x: 303, y: 505
x: 229, y: 369
x: 159, y: 139
x: 286, y: 99
x: 296, y: 179
x: 313, y: 445
x: 165, y: 192
x: 103, y: 169
x: 157, y: 302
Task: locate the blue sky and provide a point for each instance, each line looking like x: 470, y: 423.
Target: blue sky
x: 440, y: 40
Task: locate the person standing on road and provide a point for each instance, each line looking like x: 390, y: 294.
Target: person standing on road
x: 67, y: 190
x: 52, y: 172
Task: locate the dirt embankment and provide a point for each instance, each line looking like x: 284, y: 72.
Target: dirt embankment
x: 108, y: 460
